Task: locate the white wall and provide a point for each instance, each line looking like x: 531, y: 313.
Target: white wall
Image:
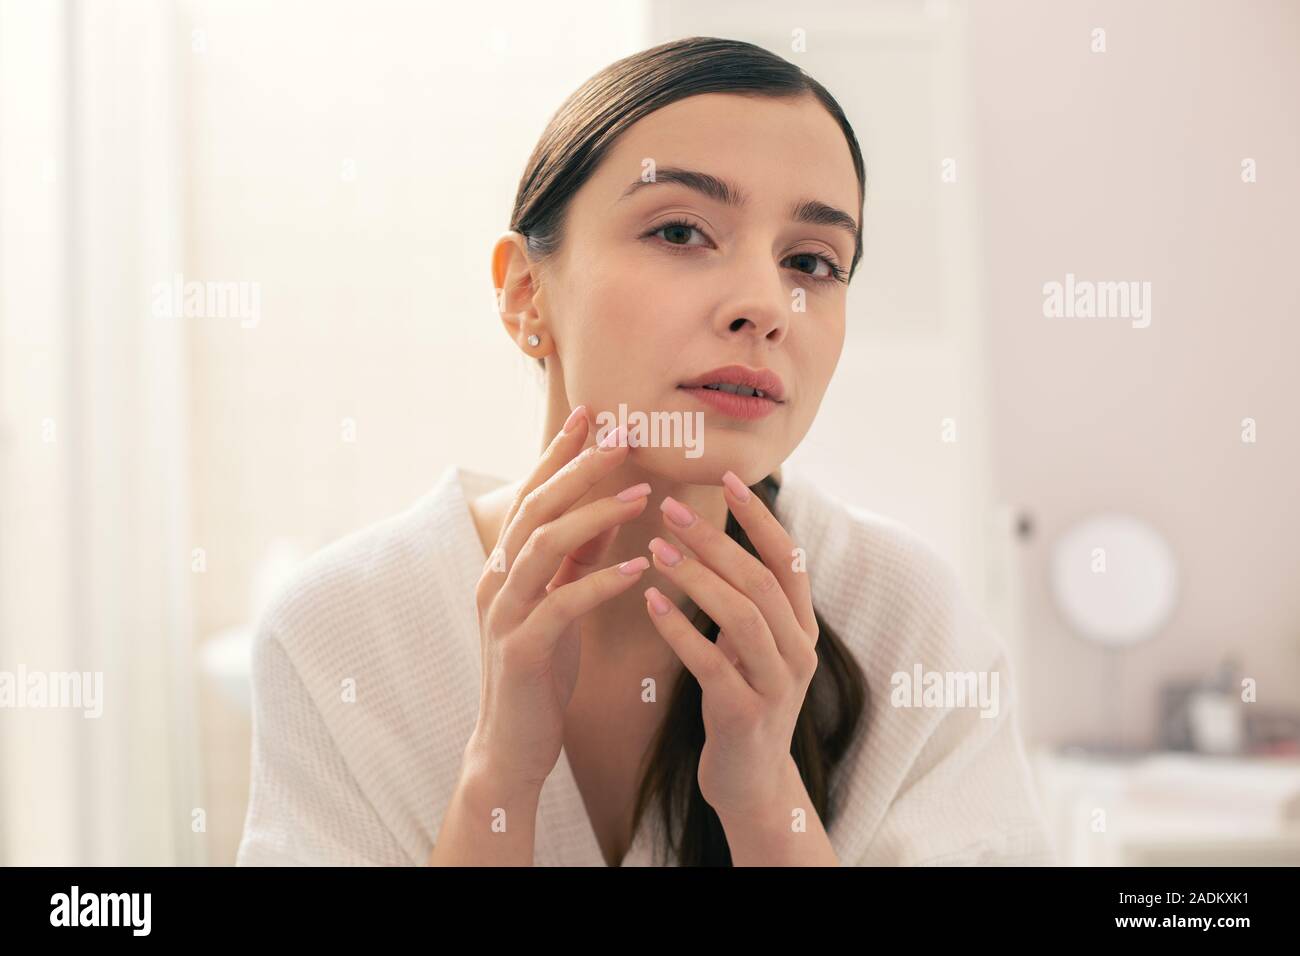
x: 1126, y: 165
x: 93, y: 562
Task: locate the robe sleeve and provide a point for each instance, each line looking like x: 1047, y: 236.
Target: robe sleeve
x: 969, y: 799
x: 305, y: 807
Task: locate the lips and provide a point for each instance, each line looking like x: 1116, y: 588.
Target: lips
x: 738, y: 391
x: 741, y: 380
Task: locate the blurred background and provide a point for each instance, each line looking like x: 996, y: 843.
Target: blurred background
x: 342, y: 169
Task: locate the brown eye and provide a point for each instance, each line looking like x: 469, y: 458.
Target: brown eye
x: 678, y: 233
x: 818, y: 267
x: 807, y: 262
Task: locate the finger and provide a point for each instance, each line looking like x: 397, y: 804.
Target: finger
x: 565, y: 444
x: 568, y: 441
x: 584, y: 559
x: 565, y: 604
x: 699, y: 655
x: 760, y: 663
x: 558, y: 493
x: 744, y: 572
x: 772, y: 542
x: 549, y: 545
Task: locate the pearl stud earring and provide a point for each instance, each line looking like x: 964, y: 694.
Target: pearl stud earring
x: 534, y: 341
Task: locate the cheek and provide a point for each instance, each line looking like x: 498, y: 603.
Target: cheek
x: 630, y: 307
x: 816, y: 355
x: 625, y: 331
x: 822, y: 352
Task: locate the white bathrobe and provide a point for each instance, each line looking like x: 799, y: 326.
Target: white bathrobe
x: 366, y: 688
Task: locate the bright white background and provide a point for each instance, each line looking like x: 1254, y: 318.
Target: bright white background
x: 359, y: 159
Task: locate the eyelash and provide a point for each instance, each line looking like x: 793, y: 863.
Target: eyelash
x: 837, y: 274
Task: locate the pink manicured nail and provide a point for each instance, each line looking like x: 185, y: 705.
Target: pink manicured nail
x: 677, y: 512
x: 575, y: 416
x: 613, y: 438
x: 658, y: 603
x: 635, y: 565
x: 633, y: 493
x: 665, y: 551
x: 736, y: 486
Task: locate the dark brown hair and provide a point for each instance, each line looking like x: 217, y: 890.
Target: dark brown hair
x: 572, y: 146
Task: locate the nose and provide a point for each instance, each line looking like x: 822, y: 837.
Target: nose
x: 759, y: 310
x: 760, y: 325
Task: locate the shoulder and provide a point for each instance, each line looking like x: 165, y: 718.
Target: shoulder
x: 887, y: 592
x: 342, y: 582
x: 375, y: 600
x: 366, y: 661
x: 936, y: 772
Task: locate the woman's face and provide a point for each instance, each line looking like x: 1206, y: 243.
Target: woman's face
x: 656, y: 284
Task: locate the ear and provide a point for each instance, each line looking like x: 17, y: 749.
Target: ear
x: 514, y: 278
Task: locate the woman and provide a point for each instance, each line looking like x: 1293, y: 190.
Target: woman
x: 639, y: 653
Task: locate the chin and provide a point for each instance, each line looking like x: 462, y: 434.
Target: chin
x: 719, y: 456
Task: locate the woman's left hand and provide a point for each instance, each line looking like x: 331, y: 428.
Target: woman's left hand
x: 755, y: 677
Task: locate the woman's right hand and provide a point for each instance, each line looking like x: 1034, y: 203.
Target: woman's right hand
x: 537, y: 583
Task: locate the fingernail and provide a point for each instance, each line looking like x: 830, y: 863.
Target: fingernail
x: 658, y: 603
x: 613, y: 439
x: 677, y: 512
x: 634, y: 566
x: 665, y: 551
x: 635, y: 492
x: 575, y: 416
x: 736, y: 485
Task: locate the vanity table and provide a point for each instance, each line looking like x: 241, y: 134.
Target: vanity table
x: 1170, y: 809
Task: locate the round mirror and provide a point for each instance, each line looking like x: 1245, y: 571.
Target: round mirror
x: 1114, y: 578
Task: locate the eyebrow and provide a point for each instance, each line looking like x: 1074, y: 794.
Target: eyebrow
x: 807, y: 210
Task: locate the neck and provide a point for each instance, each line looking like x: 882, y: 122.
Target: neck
x: 620, y: 626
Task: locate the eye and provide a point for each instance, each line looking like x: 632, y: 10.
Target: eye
x: 819, y: 267
x: 809, y: 262
x: 678, y: 232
